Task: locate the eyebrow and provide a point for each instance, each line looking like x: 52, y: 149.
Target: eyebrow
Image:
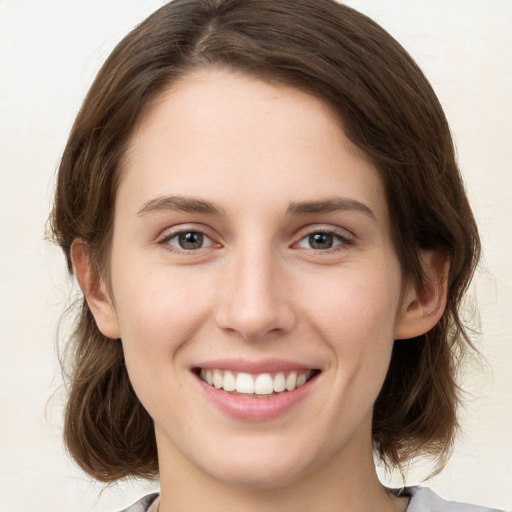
x: 330, y: 205
x: 180, y: 203
x: 195, y: 205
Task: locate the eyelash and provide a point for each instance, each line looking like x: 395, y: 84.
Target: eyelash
x: 183, y: 232
x: 342, y: 240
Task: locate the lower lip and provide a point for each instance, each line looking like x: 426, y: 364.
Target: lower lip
x: 256, y: 409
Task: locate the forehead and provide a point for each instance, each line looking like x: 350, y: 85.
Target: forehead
x: 231, y: 138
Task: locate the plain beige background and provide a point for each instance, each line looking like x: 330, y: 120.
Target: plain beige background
x: 49, y: 54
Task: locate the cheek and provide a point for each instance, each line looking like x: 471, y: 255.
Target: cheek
x: 355, y: 316
x: 358, y: 305
x: 158, y: 314
x: 156, y: 306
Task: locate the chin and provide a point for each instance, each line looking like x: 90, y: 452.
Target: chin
x: 259, y: 466
x: 267, y: 476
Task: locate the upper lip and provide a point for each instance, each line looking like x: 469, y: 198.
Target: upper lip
x: 254, y: 367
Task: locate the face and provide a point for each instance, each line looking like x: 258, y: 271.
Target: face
x: 254, y: 282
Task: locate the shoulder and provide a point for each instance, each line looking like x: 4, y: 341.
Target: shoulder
x: 143, y: 504
x: 423, y: 499
x: 426, y: 500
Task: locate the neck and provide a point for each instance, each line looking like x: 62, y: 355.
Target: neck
x: 347, y: 482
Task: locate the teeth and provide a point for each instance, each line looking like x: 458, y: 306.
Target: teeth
x: 218, y: 381
x: 244, y: 383
x: 291, y: 381
x: 301, y: 380
x: 229, y: 382
x: 279, y: 383
x: 262, y: 384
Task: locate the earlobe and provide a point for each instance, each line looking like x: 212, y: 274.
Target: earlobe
x: 94, y: 290
x: 423, y: 308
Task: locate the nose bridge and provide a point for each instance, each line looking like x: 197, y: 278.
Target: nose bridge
x: 254, y: 303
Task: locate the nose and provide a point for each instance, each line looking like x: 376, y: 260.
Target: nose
x: 254, y: 296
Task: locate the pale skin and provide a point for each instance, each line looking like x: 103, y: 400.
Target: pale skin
x: 258, y: 170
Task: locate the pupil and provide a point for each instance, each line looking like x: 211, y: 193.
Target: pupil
x: 192, y: 240
x: 321, y: 240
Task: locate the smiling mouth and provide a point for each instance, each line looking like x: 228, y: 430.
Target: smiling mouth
x: 262, y: 385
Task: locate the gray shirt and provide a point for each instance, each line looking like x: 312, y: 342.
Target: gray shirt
x: 422, y: 500
x: 425, y: 500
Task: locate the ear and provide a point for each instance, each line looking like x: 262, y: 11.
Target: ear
x: 94, y: 290
x: 422, y: 308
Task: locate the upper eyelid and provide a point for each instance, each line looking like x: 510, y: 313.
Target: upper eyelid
x: 174, y: 234
x: 322, y: 228
x: 164, y: 242
x: 172, y: 231
x: 347, y: 238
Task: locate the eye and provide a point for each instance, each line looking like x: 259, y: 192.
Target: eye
x: 323, y: 240
x: 188, y: 240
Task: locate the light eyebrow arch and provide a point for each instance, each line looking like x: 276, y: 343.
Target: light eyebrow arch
x: 180, y: 204
x: 330, y: 205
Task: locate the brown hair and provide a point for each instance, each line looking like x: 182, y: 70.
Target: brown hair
x: 387, y: 108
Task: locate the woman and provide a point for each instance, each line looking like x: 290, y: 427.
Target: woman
x: 261, y: 204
